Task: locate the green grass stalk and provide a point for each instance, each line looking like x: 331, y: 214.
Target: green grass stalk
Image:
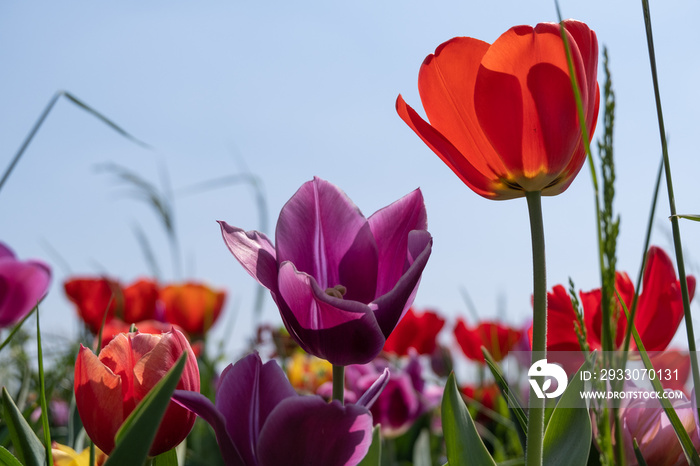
x: 672, y: 205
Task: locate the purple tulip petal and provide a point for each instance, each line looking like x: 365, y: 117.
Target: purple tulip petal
x: 370, y: 396
x: 255, y: 252
x: 341, y: 331
x: 390, y: 307
x: 22, y: 286
x: 5, y: 251
x: 390, y: 227
x: 307, y: 430
x: 202, y: 407
x: 248, y: 392
x: 324, y: 234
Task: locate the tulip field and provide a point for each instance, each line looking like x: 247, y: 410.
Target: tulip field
x: 338, y: 357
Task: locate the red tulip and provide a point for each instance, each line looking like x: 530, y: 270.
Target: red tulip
x: 115, y: 326
x: 659, y: 309
x: 416, y: 331
x: 193, y: 306
x: 92, y: 296
x: 503, y: 116
x: 109, y: 386
x: 140, y: 301
x: 496, y: 338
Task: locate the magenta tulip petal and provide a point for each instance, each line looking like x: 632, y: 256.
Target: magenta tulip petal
x: 390, y: 227
x: 22, y: 286
x: 370, y: 396
x: 248, y: 391
x: 341, y: 282
x: 309, y: 431
x: 390, y: 307
x: 202, y: 407
x: 6, y: 251
x: 255, y: 253
x: 340, y: 331
x: 325, y: 235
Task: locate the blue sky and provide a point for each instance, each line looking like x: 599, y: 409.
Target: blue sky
x: 302, y: 89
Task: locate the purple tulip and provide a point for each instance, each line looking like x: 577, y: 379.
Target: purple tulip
x: 342, y: 282
x: 644, y: 419
x: 22, y: 285
x: 405, y: 397
x: 259, y: 419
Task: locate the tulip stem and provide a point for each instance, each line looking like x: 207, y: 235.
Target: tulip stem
x: 535, y: 425
x: 339, y: 383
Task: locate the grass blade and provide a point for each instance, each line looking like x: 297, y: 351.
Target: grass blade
x: 42, y: 393
x: 45, y: 114
x: 690, y: 454
x: 638, y: 454
x: 672, y: 205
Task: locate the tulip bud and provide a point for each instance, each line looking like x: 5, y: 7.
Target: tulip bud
x: 109, y: 386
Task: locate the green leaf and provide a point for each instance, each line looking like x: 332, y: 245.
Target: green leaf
x: 7, y: 459
x: 688, y: 448
x: 28, y: 447
x: 169, y: 458
x: 374, y: 455
x: 695, y: 218
x: 463, y: 444
x: 134, y: 438
x: 510, y: 397
x: 568, y: 434
x: 421, y: 450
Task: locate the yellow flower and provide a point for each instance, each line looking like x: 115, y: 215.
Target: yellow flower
x: 306, y: 373
x: 65, y: 456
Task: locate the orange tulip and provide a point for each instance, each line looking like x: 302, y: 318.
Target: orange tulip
x: 503, y: 116
x: 193, y: 306
x: 109, y: 386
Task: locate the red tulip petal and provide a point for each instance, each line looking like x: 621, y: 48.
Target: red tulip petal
x: 98, y: 396
x: 561, y: 333
x: 447, y: 89
x: 140, y: 301
x: 660, y: 308
x: 487, y: 186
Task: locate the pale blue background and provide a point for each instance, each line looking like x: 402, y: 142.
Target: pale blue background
x: 298, y: 89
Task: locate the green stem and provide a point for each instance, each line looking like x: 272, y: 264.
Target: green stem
x: 535, y: 425
x: 339, y: 383
x: 672, y: 204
